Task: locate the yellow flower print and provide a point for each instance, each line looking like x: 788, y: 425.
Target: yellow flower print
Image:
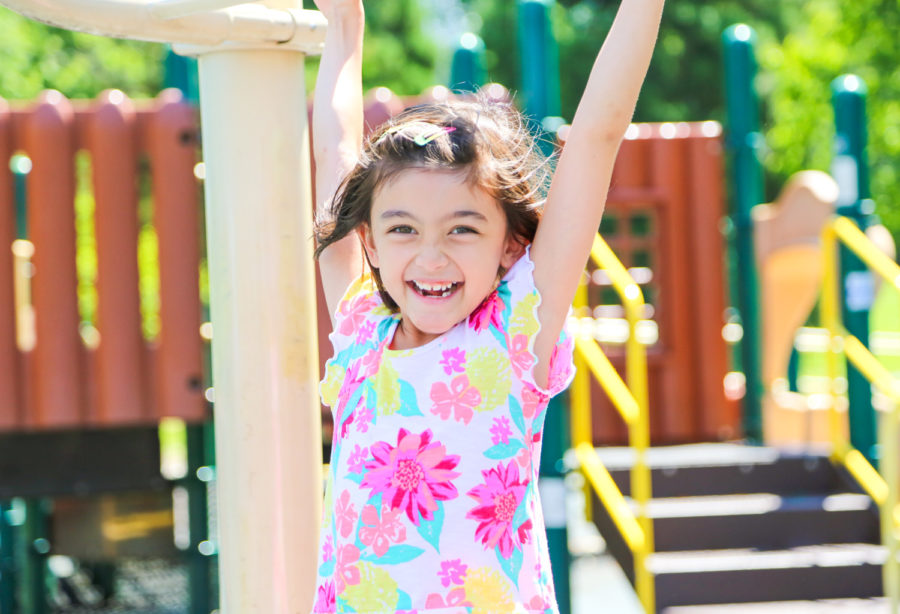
x: 488, y: 592
x: 488, y: 371
x: 331, y: 385
x: 376, y: 591
x: 522, y: 321
x: 387, y: 388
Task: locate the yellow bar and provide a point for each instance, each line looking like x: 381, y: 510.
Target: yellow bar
x: 829, y: 316
x: 866, y: 475
x: 857, y: 241
x: 869, y: 366
x: 610, y: 495
x: 609, y: 378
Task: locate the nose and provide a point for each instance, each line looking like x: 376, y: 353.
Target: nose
x: 431, y: 257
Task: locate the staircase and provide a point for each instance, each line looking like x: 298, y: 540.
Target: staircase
x: 741, y: 524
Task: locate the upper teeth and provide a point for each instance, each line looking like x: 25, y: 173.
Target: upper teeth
x: 433, y: 287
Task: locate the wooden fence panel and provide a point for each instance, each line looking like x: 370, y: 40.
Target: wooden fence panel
x: 10, y: 394
x: 111, y: 138
x: 56, y: 388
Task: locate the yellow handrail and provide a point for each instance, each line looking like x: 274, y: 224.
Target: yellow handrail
x: 882, y: 487
x: 631, y: 402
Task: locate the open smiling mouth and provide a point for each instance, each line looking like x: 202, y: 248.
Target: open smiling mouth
x: 439, y: 290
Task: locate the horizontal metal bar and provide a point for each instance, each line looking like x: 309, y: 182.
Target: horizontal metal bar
x: 245, y: 23
x: 172, y: 9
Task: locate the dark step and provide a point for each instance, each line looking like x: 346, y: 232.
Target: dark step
x: 721, y: 469
x: 762, y: 521
x: 877, y: 605
x: 846, y: 571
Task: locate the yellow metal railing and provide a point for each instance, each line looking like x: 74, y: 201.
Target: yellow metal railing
x: 631, y: 401
x: 882, y: 487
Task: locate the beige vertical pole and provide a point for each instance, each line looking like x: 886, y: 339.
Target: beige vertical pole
x: 263, y: 307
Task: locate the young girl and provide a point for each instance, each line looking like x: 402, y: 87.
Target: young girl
x: 449, y: 278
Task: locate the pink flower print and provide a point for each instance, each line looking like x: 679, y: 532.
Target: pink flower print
x: 532, y: 400
x: 460, y: 399
x: 519, y: 355
x: 380, y: 532
x: 524, y: 455
x: 453, y: 572
x: 560, y: 366
x: 354, y: 312
x: 371, y: 361
x: 364, y: 419
x: 357, y: 458
x: 501, y: 430
x: 412, y: 476
x: 345, y: 514
x: 488, y: 313
x: 498, y: 497
x: 537, y: 604
x: 456, y: 597
x: 352, y: 380
x: 327, y: 550
x: 325, y: 598
x: 365, y: 331
x: 454, y: 359
x: 345, y: 571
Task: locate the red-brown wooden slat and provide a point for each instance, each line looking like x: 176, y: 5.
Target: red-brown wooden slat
x: 56, y: 387
x: 718, y: 417
x: 10, y: 397
x: 172, y: 146
x: 678, y: 422
x: 111, y: 141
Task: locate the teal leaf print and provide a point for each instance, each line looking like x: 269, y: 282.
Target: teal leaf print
x: 403, y: 601
x: 521, y: 514
x: 409, y: 406
x: 538, y: 423
x: 395, y: 555
x: 326, y: 570
x: 354, y: 477
x: 504, y: 450
x: 515, y: 411
x: 500, y: 337
x: 430, y: 530
x: 512, y: 565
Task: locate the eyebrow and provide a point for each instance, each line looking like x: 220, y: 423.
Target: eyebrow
x: 393, y: 213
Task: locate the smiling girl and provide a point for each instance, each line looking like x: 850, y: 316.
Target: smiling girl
x: 449, y: 277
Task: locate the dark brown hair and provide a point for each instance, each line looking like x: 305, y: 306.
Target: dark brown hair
x: 483, y: 139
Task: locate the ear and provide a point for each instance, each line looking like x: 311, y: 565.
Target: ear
x: 513, y: 249
x: 365, y: 237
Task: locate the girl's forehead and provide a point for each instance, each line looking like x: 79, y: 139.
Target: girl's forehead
x: 431, y: 193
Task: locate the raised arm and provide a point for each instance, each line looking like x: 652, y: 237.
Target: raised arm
x: 578, y: 192
x: 337, y: 133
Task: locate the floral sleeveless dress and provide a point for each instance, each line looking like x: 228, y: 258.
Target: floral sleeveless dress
x: 431, y: 504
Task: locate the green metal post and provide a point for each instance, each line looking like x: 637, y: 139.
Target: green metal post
x: 467, y: 70
x: 744, y: 142
x: 181, y: 72
x: 32, y: 557
x: 539, y: 61
x: 7, y: 559
x: 850, y: 168
x: 200, y: 561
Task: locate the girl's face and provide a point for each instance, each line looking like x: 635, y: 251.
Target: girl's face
x: 438, y: 243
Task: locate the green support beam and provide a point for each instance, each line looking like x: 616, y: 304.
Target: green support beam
x: 850, y: 168
x: 743, y: 143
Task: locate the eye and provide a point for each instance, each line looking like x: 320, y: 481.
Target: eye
x: 401, y: 229
x: 459, y: 230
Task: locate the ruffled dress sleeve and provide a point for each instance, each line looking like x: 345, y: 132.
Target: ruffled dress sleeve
x: 358, y: 322
x: 520, y: 298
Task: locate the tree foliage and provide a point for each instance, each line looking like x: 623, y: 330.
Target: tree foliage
x: 831, y: 38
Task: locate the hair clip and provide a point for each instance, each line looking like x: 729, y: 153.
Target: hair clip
x: 423, y: 138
